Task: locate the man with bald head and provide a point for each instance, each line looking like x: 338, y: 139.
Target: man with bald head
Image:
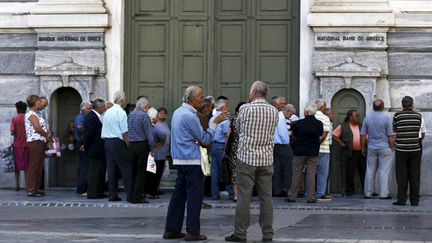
x: 380, y: 146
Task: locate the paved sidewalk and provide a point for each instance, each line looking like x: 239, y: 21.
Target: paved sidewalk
x: 62, y: 216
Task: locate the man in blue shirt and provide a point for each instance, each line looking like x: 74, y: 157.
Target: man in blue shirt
x: 218, y: 146
x: 186, y: 135
x: 380, y: 140
x: 282, y: 152
x: 78, y: 130
x: 115, y: 134
x: 140, y: 132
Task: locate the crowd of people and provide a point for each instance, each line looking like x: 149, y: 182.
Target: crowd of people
x: 265, y: 148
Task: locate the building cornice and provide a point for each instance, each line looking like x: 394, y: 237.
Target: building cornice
x: 371, y: 13
x: 54, y: 14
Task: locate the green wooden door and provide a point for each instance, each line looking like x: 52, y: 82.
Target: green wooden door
x: 220, y: 45
x: 342, y: 102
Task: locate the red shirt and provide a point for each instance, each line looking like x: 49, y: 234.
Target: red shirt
x: 17, y: 129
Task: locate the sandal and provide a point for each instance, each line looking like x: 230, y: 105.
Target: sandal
x: 34, y: 194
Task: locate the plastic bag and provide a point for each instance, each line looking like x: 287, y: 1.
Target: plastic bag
x: 53, y: 148
x: 151, y: 164
x: 205, y: 162
x: 166, y: 170
x: 7, y: 157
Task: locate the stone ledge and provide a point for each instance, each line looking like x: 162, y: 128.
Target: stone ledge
x: 68, y: 21
x: 351, y: 19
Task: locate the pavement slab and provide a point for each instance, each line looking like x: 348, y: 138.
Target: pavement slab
x: 62, y: 216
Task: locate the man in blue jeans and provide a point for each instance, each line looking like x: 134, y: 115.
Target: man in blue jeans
x: 323, y: 165
x: 186, y: 135
x: 218, y: 146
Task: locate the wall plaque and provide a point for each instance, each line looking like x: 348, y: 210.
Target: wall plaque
x: 70, y: 40
x: 374, y: 40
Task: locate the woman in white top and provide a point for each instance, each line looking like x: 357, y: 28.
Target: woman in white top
x: 37, y: 136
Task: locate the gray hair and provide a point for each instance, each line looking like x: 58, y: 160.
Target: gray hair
x: 142, y: 102
x: 321, y: 103
x: 119, y: 95
x: 311, y: 109
x: 85, y: 105
x: 260, y: 87
x: 219, y: 104
x: 290, y: 107
x: 98, y: 103
x: 209, y: 100
x: 190, y: 92
x: 279, y: 98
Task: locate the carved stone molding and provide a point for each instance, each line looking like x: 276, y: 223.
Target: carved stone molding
x: 348, y: 70
x: 68, y: 74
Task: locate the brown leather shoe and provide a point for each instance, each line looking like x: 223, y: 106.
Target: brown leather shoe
x: 173, y: 235
x: 191, y: 237
x: 114, y: 199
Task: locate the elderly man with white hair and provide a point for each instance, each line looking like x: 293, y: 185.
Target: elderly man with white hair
x: 78, y: 130
x: 306, y: 134
x: 140, y: 131
x: 115, y: 134
x: 218, y: 146
x: 256, y: 123
x: 186, y: 136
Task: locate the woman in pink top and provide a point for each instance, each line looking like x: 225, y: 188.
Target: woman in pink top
x: 20, y: 148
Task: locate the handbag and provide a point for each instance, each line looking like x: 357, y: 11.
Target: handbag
x: 53, y: 148
x: 151, y: 164
x: 7, y: 157
x: 205, y: 162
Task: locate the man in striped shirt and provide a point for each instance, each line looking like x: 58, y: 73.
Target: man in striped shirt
x: 406, y: 125
x: 256, y: 123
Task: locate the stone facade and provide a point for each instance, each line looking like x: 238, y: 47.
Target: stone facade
x: 382, y: 49
x: 46, y: 45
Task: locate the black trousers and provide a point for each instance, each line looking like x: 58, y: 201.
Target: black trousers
x: 282, y: 157
x: 117, y: 154
x: 153, y: 180
x: 82, y: 172
x: 408, y: 171
x: 138, y: 155
x: 356, y: 163
x: 96, y: 177
x: 188, y: 188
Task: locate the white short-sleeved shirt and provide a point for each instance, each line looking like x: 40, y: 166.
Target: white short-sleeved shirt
x: 327, y: 126
x: 31, y: 133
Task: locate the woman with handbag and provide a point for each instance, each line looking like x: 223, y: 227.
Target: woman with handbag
x: 20, y: 149
x: 37, y: 137
x: 231, y: 147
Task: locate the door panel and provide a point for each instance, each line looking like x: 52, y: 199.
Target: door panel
x: 67, y: 103
x: 342, y: 102
x: 220, y: 45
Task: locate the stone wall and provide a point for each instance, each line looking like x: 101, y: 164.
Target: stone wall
x: 390, y: 43
x: 46, y: 45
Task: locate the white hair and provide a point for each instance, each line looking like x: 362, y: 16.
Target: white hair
x: 311, y: 109
x: 219, y: 104
x: 142, y: 102
x: 119, y: 95
x: 259, y: 87
x: 290, y: 107
x: 85, y: 105
x: 190, y: 92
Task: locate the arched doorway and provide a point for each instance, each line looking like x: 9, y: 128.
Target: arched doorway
x: 341, y: 103
x: 65, y: 103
